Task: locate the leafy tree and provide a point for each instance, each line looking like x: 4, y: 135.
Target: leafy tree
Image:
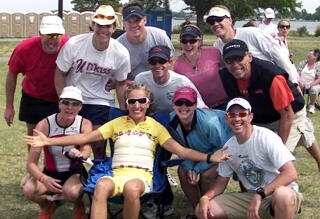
x: 91, y: 5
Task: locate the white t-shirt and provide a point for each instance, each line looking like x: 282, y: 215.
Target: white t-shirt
x: 139, y: 53
x: 258, y: 160
x: 265, y: 47
x: 270, y: 28
x: 163, y: 93
x: 90, y: 70
x: 308, y: 75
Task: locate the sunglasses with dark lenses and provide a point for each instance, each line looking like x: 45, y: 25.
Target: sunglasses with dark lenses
x: 157, y: 60
x: 51, y: 36
x: 141, y: 100
x: 233, y: 59
x: 284, y: 26
x: 183, y: 102
x: 240, y: 114
x: 71, y: 102
x: 191, y: 41
x: 102, y: 17
x: 211, y: 21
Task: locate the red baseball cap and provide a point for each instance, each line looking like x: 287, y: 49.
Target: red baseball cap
x: 186, y: 93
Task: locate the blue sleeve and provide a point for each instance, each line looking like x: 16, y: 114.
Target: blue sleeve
x: 188, y: 165
x: 202, y: 166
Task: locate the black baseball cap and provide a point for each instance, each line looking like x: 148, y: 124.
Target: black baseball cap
x: 160, y: 51
x: 235, y: 48
x: 190, y: 30
x: 133, y: 11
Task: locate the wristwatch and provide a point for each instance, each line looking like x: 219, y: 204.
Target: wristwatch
x: 260, y: 191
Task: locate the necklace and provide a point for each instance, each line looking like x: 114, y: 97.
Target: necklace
x: 194, y: 63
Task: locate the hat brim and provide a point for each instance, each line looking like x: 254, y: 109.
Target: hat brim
x: 270, y: 16
x: 103, y: 21
x: 136, y: 14
x: 55, y: 30
x: 159, y: 55
x: 234, y: 53
x: 184, y: 97
x: 190, y: 34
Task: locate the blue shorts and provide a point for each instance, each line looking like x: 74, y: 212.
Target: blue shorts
x: 97, y: 114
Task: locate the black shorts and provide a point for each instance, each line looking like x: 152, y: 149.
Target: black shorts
x: 33, y: 110
x: 97, y: 114
x: 63, y: 176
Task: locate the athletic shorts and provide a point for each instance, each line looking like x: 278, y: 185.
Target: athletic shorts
x: 122, y: 175
x: 63, y: 176
x: 97, y: 114
x: 33, y: 110
x: 235, y: 205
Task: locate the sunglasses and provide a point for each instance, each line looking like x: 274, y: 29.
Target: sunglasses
x: 71, y: 102
x: 240, y: 114
x: 51, y: 36
x: 284, y: 26
x: 233, y: 59
x: 183, y: 102
x: 141, y: 100
x: 102, y: 17
x: 157, y: 60
x: 211, y: 21
x: 191, y: 41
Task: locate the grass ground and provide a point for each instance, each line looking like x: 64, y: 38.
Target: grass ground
x: 13, y: 153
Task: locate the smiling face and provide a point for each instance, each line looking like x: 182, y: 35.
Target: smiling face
x: 137, y: 110
x: 222, y: 28
x: 184, y: 110
x: 240, y: 69
x: 69, y: 109
x: 50, y: 45
x: 239, y: 120
x: 160, y: 69
x: 135, y: 26
x: 102, y: 34
x: 190, y: 45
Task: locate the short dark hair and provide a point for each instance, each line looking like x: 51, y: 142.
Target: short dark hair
x: 316, y: 52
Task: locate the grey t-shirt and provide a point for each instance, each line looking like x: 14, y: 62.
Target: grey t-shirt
x: 139, y: 52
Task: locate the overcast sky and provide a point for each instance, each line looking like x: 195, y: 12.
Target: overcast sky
x: 48, y: 5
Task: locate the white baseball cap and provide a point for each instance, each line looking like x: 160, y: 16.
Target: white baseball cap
x: 269, y: 13
x: 104, y: 15
x: 217, y: 11
x: 71, y: 92
x: 51, y: 25
x: 239, y: 101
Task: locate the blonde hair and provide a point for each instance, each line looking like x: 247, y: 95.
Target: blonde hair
x: 146, y: 90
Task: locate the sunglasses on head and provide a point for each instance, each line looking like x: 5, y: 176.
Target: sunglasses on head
x: 191, y: 41
x: 51, y: 36
x: 102, y: 17
x: 240, y: 114
x: 141, y: 100
x: 183, y: 102
x: 211, y: 21
x: 71, y: 102
x: 233, y: 59
x: 154, y: 61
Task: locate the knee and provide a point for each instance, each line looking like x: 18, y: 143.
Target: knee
x: 104, y: 188
x: 29, y: 190
x: 182, y: 173
x: 132, y: 190
x: 72, y: 193
x: 283, y: 196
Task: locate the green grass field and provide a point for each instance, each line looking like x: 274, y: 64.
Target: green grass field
x: 13, y: 153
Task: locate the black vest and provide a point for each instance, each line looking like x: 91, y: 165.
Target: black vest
x: 262, y: 74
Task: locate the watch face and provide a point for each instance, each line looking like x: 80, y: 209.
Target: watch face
x: 260, y: 191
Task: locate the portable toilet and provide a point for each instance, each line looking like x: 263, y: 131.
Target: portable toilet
x: 32, y: 24
x: 5, y: 24
x: 18, y: 29
x: 161, y: 19
x: 85, y: 21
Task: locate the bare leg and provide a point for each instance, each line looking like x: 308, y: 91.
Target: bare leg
x: 104, y: 190
x: 30, y: 128
x: 283, y: 203
x: 314, y: 151
x: 216, y: 210
x: 132, y: 191
x: 72, y: 192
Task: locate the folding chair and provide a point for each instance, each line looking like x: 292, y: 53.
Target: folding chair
x: 159, y: 170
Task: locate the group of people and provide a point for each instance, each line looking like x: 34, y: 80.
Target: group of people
x: 219, y: 97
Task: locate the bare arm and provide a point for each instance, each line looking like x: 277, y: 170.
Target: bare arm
x: 286, y: 118
x: 86, y: 148
x: 59, y: 80
x: 174, y: 147
x: 11, y: 83
x: 121, y: 87
x: 41, y: 140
